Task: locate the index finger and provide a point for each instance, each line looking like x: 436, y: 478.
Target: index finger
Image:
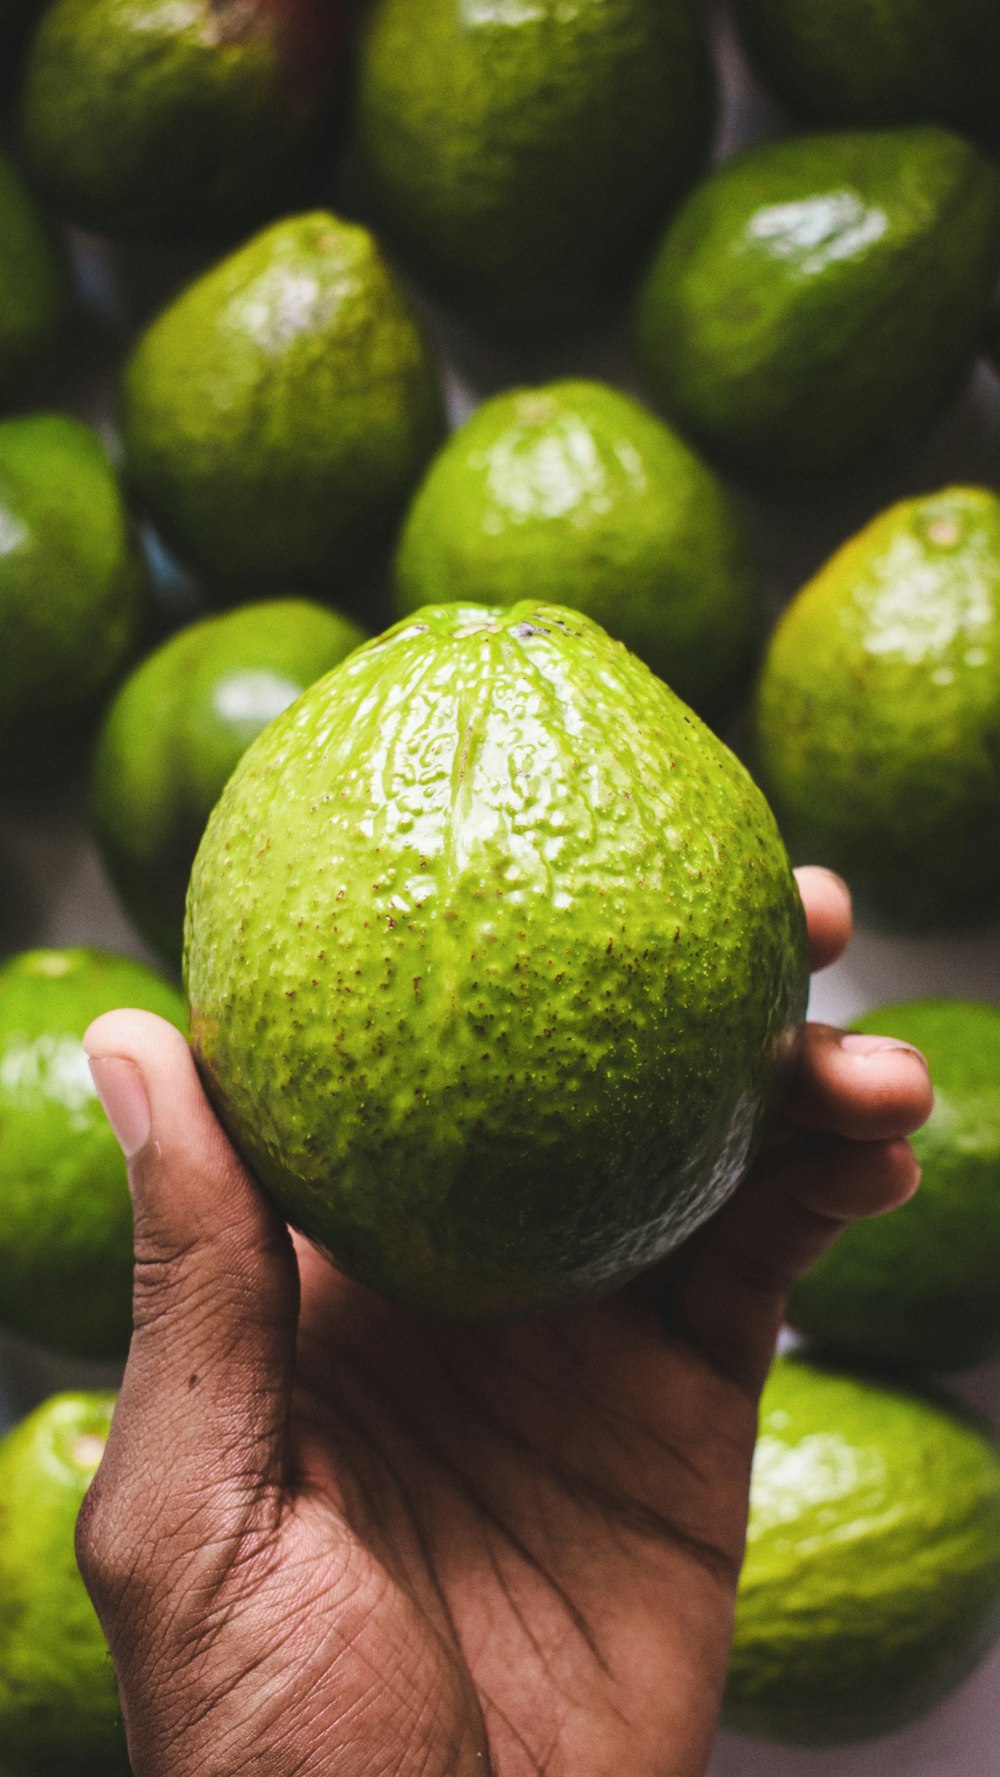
x: 827, y: 902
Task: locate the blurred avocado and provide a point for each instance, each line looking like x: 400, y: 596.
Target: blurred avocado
x: 878, y: 713
x: 71, y: 586
x: 278, y: 413
x: 59, y: 1710
x: 921, y: 1288
x: 878, y: 61
x: 176, y: 729
x: 819, y: 300
x: 65, y: 1213
x: 521, y: 158
x: 34, y: 292
x: 576, y: 492
x: 177, y: 122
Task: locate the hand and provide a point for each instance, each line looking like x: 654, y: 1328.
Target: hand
x: 328, y: 1540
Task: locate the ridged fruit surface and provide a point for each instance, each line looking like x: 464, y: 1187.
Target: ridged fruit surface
x: 494, y: 956
x: 871, y: 1585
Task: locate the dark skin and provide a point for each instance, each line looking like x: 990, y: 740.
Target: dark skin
x: 330, y: 1540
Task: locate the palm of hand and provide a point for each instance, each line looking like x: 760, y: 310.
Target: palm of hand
x: 539, y: 1526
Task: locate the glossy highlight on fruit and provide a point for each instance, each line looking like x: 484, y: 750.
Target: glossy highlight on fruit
x: 494, y: 961
x: 818, y: 300
x: 878, y: 713
x: 577, y: 492
x: 871, y: 1585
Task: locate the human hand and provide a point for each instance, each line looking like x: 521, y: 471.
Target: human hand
x: 330, y: 1540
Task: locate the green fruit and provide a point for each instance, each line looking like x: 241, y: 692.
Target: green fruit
x: 921, y: 1288
x: 34, y: 291
x: 59, y: 1709
x: 278, y: 413
x: 521, y: 157
x: 494, y: 957
x: 878, y: 712
x: 871, y: 1584
x: 818, y: 300
x: 175, y: 731
x: 176, y: 121
x: 878, y: 61
x: 70, y: 580
x: 578, y: 493
x: 65, y: 1216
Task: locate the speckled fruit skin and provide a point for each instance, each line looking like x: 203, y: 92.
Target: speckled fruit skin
x: 819, y: 299
x: 494, y: 957
x: 34, y: 291
x: 577, y: 492
x: 175, y: 730
x: 878, y: 61
x: 71, y: 583
x: 176, y: 122
x: 521, y: 158
x: 59, y: 1709
x: 871, y: 1584
x: 65, y: 1215
x: 278, y: 413
x: 921, y: 1288
x: 878, y: 713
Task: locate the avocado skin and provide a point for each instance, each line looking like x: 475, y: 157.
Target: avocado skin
x: 578, y: 492
x: 521, y: 159
x: 921, y: 1288
x: 176, y: 123
x: 34, y: 292
x: 871, y: 1584
x: 494, y: 961
x: 71, y: 583
x: 818, y: 301
x: 878, y: 61
x: 278, y: 413
x: 174, y: 732
x: 59, y: 1710
x: 65, y: 1213
x: 878, y: 713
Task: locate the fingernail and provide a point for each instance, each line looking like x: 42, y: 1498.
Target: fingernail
x: 858, y: 1042
x: 122, y: 1091
x: 839, y: 880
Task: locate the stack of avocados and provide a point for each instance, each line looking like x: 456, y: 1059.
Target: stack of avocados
x: 257, y: 264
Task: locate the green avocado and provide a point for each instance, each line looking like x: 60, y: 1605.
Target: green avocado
x: 71, y: 583
x: 59, y: 1709
x: 34, y: 291
x: 278, y: 413
x: 176, y: 729
x: 818, y: 301
x: 575, y: 492
x: 921, y: 1288
x: 494, y: 960
x: 65, y: 1215
x: 878, y: 713
x: 878, y: 61
x: 871, y: 1584
x: 176, y: 122
x: 521, y: 157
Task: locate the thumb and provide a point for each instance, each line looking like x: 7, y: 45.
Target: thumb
x: 203, y: 1410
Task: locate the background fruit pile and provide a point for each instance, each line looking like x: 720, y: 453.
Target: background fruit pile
x: 53, y: 888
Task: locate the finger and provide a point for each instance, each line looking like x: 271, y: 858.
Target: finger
x: 866, y: 1088
x: 827, y: 902
x: 203, y: 1409
x: 726, y: 1290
